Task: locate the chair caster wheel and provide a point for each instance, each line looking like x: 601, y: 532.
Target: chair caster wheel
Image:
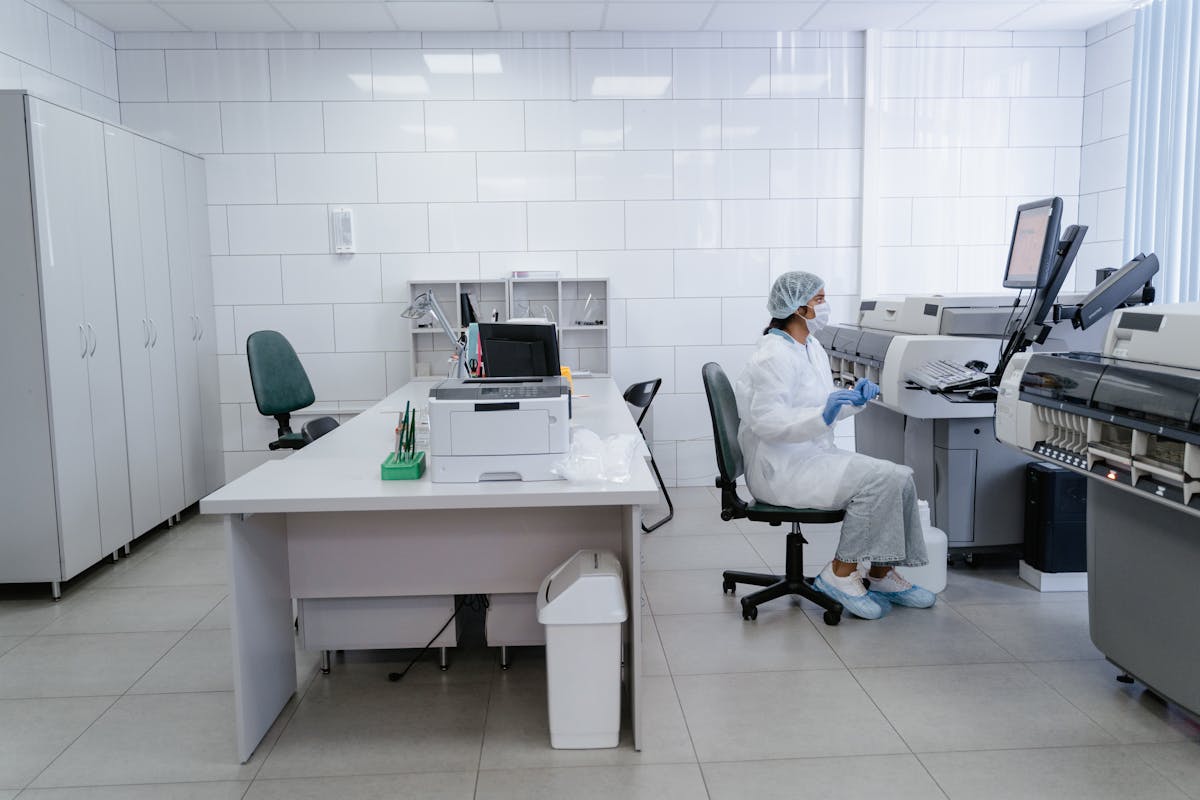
x: 749, y: 612
x: 832, y: 617
x: 728, y: 587
x: 1126, y: 678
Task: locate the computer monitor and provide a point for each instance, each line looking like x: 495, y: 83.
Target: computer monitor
x: 1034, y: 243
x: 517, y: 351
x: 466, y: 311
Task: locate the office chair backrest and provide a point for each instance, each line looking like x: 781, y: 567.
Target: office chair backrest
x: 722, y: 406
x: 280, y: 383
x: 641, y: 395
x: 316, y: 428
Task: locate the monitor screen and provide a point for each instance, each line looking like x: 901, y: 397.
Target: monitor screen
x: 514, y: 351
x: 466, y: 311
x: 1034, y: 240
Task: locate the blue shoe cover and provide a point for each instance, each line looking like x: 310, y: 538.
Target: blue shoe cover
x: 863, y: 606
x: 913, y: 597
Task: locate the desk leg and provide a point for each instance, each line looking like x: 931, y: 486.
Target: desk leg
x: 632, y: 535
x: 264, y: 656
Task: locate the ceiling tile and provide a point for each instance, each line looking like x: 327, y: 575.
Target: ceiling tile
x: 656, y: 16
x: 537, y: 16
x: 738, y: 16
x: 963, y: 16
x: 1066, y: 16
x: 336, y: 17
x: 131, y: 17
x: 445, y: 15
x: 228, y: 17
x: 860, y: 16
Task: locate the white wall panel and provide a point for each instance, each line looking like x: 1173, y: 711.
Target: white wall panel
x: 526, y: 176
x: 576, y: 226
x: 372, y: 127
x: 427, y: 177
x: 624, y: 175
x: 655, y: 224
x: 672, y: 124
x: 477, y: 226
x: 574, y: 125
x: 488, y: 125
x: 724, y: 273
x: 267, y: 230
x: 272, y: 127
x: 217, y: 75
x: 326, y: 178
x: 320, y: 75
x: 332, y: 279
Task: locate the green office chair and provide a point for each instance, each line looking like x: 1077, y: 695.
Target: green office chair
x: 281, y: 386
x: 723, y: 408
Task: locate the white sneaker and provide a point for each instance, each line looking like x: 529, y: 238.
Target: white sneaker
x: 850, y: 592
x: 895, y: 588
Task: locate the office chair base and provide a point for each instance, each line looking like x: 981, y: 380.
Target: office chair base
x: 791, y: 582
x: 776, y: 586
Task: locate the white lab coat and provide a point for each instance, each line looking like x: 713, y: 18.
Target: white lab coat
x: 789, y: 451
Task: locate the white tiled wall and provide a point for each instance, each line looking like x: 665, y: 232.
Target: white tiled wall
x: 50, y: 50
x: 689, y: 169
x: 972, y: 125
x: 688, y: 172
x: 1105, y: 147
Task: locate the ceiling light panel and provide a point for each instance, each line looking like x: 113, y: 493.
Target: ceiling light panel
x: 535, y: 16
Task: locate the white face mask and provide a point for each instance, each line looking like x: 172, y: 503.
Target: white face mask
x: 820, y: 320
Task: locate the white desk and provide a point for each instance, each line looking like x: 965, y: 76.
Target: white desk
x: 321, y: 523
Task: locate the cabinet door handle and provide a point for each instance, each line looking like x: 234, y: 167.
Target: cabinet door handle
x: 200, y: 328
x: 192, y: 319
x: 145, y: 334
x: 153, y: 333
x: 92, y: 333
x: 83, y: 345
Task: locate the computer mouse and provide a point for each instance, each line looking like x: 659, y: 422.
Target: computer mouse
x: 982, y: 393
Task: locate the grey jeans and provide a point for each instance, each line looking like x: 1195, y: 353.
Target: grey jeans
x: 882, y: 524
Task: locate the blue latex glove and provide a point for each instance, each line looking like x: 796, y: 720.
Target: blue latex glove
x: 834, y: 403
x: 867, y: 390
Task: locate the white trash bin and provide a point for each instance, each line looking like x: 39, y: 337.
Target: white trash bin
x: 932, y: 576
x: 582, y: 605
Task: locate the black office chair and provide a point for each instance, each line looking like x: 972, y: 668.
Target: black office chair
x: 723, y: 408
x: 316, y: 428
x: 281, y: 386
x: 641, y: 395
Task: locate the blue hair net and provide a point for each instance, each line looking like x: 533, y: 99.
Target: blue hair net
x: 792, y: 290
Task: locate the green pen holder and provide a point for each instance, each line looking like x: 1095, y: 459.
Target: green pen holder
x: 402, y: 469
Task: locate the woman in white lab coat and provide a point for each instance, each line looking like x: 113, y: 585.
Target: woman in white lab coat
x: 788, y: 406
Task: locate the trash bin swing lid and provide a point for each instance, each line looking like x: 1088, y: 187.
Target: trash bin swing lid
x: 587, y: 589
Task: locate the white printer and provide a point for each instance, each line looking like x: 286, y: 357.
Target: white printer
x: 1128, y: 418
x: 498, y: 429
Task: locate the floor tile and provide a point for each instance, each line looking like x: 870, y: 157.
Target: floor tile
x: 911, y: 637
x: 212, y: 790
x: 9, y: 642
x: 158, y: 738
x: 722, y: 551
x: 8, y: 794
x: 359, y: 723
x: 202, y: 661
x: 783, y: 715
x: 999, y: 584
x: 635, y: 782
x: 1127, y: 711
x: 780, y: 639
x: 427, y: 786
x: 203, y: 534
x: 689, y: 592
x: 1179, y: 763
x: 216, y: 619
x: 518, y: 729
x: 1057, y: 632
x: 976, y: 707
x: 137, y: 610
x: 1095, y: 773
x: 27, y: 616
x: 170, y: 567
x: 35, y: 732
x: 847, y: 778
x: 84, y: 665
x: 654, y: 660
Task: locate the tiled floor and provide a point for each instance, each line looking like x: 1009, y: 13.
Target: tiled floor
x: 123, y: 691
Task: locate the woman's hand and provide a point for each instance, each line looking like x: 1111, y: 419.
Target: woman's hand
x: 867, y: 391
x: 835, y: 401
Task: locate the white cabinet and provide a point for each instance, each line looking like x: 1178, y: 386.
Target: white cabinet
x: 97, y: 432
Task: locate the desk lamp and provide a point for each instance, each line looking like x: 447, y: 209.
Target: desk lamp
x: 426, y: 303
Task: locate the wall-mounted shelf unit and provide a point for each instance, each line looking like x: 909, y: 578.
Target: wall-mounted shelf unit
x: 578, y: 306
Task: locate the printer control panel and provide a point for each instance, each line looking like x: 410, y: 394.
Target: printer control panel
x: 512, y: 392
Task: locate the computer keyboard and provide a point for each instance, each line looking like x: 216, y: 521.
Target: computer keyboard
x: 946, y: 376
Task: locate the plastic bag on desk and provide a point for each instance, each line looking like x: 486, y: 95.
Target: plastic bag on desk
x: 594, y: 459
